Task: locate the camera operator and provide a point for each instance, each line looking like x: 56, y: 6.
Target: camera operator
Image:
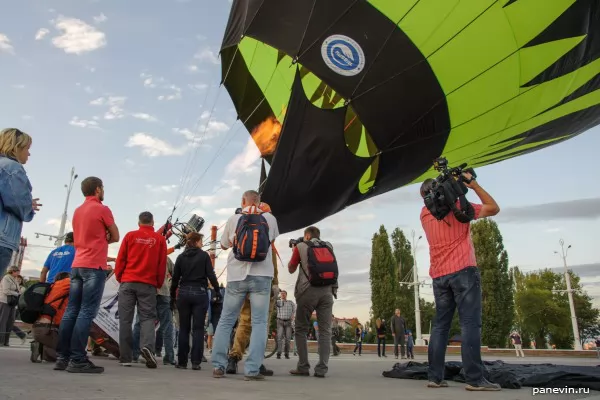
x: 456, y: 285
x: 310, y: 297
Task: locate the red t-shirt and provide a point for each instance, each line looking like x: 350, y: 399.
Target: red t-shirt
x: 450, y: 245
x: 142, y: 257
x: 90, y: 222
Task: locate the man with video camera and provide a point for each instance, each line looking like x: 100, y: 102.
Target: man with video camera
x: 456, y: 278
x: 316, y: 286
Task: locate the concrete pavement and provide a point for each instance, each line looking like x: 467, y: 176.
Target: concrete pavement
x: 349, y: 378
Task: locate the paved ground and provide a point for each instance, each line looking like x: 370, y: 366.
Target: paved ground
x: 349, y: 378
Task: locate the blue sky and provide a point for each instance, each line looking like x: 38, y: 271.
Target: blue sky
x: 123, y: 91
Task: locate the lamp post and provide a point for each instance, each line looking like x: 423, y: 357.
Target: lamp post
x: 569, y: 291
x: 419, y: 338
x: 63, y: 221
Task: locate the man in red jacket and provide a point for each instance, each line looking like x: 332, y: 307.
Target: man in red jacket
x: 140, y: 269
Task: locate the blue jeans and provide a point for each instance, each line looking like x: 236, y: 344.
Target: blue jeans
x: 258, y: 288
x: 164, y: 334
x: 85, y: 294
x: 5, y: 256
x: 460, y: 290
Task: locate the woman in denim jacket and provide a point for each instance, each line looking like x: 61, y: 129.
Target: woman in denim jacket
x: 16, y: 202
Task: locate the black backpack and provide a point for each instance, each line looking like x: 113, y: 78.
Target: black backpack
x: 322, y: 265
x: 31, y: 303
x: 251, y: 243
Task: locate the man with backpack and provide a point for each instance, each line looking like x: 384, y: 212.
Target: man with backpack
x: 315, y: 289
x: 250, y: 270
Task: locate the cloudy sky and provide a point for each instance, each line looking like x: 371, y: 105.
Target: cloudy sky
x: 128, y: 91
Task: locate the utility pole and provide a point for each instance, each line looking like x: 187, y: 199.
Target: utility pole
x: 419, y: 338
x: 63, y: 221
x: 569, y: 291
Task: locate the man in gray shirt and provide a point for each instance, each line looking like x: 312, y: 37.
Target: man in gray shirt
x: 398, y: 328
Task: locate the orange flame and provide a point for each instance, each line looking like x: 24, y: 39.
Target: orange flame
x: 266, y: 135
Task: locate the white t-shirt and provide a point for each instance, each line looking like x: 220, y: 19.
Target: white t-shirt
x: 239, y: 270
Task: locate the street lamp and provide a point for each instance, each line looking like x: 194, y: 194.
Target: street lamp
x: 569, y: 291
x: 63, y: 221
x: 419, y: 338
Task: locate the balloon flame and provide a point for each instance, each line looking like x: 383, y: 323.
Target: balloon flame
x: 266, y: 135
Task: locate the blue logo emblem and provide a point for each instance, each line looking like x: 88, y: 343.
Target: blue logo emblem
x: 343, y: 55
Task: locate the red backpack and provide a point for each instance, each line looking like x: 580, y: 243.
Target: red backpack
x: 322, y: 265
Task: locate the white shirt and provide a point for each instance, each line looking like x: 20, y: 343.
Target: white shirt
x: 239, y: 270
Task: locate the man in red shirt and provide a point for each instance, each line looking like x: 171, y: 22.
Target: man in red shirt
x: 140, y: 268
x: 456, y: 285
x: 93, y: 229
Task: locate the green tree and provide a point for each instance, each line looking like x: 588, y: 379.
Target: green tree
x: 496, y: 283
x: 382, y: 277
x: 405, y: 298
x: 587, y: 314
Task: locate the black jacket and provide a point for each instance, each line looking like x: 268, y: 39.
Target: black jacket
x: 193, y: 268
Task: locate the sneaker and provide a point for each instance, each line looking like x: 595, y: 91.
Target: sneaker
x: 264, y: 371
x: 149, y: 357
x: 433, y: 384
x: 61, y: 365
x: 125, y: 364
x: 319, y: 375
x: 279, y: 356
x: 483, y: 386
x: 86, y: 367
x: 218, y: 373
x: 297, y: 372
x: 287, y: 356
x: 258, y: 377
x: 196, y: 367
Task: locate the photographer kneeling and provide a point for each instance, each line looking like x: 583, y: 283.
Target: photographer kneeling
x: 315, y: 289
x: 456, y: 281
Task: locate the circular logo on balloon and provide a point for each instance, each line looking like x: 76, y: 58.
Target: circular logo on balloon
x: 343, y: 55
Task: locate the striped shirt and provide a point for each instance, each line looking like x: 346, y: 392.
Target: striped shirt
x: 450, y: 245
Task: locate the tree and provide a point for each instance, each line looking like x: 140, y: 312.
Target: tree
x: 587, y: 315
x: 496, y: 283
x: 405, y: 298
x: 382, y: 276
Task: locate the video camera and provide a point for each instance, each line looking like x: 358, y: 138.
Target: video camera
x: 446, y: 189
x: 294, y: 242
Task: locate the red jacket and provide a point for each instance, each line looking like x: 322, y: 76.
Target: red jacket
x: 142, y: 258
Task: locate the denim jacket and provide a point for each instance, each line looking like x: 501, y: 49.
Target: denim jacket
x: 15, y: 202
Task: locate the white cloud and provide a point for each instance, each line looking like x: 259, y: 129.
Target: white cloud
x: 197, y: 87
x: 18, y: 86
x: 41, y: 33
x: 366, y: 217
x: 115, y: 107
x: 98, y: 102
x: 192, y: 68
x: 145, y: 117
x: 154, y: 147
x: 100, y: 18
x: 77, y: 36
x: 130, y: 162
x: 207, y: 55
x: 26, y: 117
x: 174, y: 96
x: 55, y: 222
x: 5, y: 45
x: 91, y: 69
x: 161, y: 188
x: 83, y: 123
x: 245, y: 161
x: 204, y: 132
x: 226, y: 212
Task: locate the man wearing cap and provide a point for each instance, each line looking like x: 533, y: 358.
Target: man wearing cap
x: 59, y: 260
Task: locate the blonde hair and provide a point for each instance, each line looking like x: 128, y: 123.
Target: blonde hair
x: 12, y: 140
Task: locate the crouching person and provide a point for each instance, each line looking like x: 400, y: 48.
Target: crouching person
x: 45, y: 329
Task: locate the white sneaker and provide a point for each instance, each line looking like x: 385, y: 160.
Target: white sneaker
x: 126, y: 364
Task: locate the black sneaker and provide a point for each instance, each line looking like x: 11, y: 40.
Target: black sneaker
x: 149, y: 357
x: 231, y: 366
x: 483, y: 386
x: 196, y: 367
x: 264, y: 371
x: 61, y: 365
x: 86, y: 367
